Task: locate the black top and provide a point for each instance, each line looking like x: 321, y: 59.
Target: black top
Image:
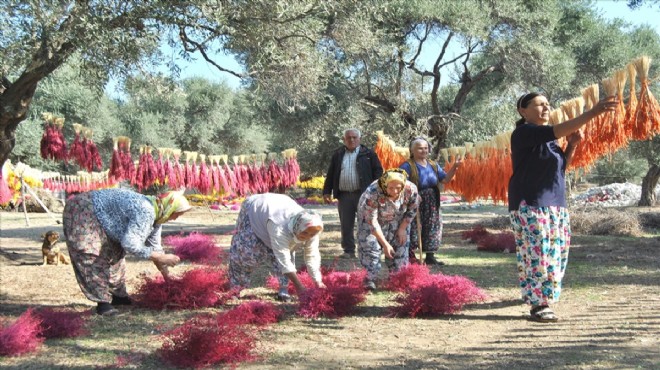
x: 368, y: 167
x: 539, y: 165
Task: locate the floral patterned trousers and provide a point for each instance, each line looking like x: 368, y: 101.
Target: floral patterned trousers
x: 543, y: 238
x: 97, y: 261
x: 369, y: 250
x: 247, y: 251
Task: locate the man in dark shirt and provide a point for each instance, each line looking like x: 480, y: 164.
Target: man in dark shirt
x: 353, y: 167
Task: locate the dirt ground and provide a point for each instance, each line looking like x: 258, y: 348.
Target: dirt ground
x: 609, y: 309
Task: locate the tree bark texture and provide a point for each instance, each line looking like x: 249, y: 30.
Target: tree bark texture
x: 648, y: 186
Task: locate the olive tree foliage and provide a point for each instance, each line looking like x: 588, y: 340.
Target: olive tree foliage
x: 38, y: 37
x: 194, y: 114
x: 65, y: 94
x: 372, y: 52
x: 122, y: 38
x: 152, y: 111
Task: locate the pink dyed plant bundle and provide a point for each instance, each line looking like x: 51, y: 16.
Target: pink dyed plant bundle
x: 351, y: 279
x: 204, y: 341
x: 204, y: 287
x: 196, y: 247
x: 500, y: 242
x: 303, y: 276
x: 439, y: 295
x: 21, y: 336
x: 330, y: 277
x: 253, y: 313
x: 407, y: 277
x: 61, y: 323
x: 332, y: 302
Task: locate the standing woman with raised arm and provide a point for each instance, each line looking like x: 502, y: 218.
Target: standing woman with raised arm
x: 429, y: 177
x: 537, y: 198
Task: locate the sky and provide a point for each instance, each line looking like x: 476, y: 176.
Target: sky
x: 610, y: 9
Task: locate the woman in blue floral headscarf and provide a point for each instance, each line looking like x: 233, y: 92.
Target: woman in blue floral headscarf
x: 101, y: 226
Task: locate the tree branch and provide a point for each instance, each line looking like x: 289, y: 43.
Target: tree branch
x: 200, y: 48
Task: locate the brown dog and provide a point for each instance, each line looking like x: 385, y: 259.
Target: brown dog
x: 51, y: 253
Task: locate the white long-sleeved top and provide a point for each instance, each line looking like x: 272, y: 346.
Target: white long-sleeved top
x: 269, y: 215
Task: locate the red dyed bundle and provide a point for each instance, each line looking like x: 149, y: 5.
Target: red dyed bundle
x: 501, y: 242
x: 407, y: 277
x: 195, y: 289
x: 438, y: 295
x: 204, y: 184
x: 116, y: 167
x: 61, y: 324
x: 491, y: 242
x: 22, y: 336
x: 476, y: 234
x: 77, y: 148
x: 93, y: 157
x: 124, y: 147
x: 253, y: 313
x: 146, y: 173
x: 53, y: 145
x: 203, y: 341
x: 195, y: 247
x: 276, y: 175
x: 331, y: 302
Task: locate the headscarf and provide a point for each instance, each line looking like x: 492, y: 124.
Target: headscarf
x: 169, y: 203
x: 415, y: 140
x: 394, y: 174
x: 303, y: 220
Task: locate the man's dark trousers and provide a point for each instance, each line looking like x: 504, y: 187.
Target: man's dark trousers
x: 347, y: 204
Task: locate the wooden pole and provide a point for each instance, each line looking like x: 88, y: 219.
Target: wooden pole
x: 419, y: 238
x: 27, y: 219
x: 36, y: 197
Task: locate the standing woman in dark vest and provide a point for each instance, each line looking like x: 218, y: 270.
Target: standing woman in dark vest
x: 537, y: 198
x: 428, y: 176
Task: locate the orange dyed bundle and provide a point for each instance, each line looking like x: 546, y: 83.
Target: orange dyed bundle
x: 389, y: 155
x: 647, y: 115
x: 485, y: 171
x: 632, y: 103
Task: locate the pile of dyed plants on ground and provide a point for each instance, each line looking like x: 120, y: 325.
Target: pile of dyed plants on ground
x: 28, y: 332
x: 430, y: 295
x: 491, y: 242
x: 228, y: 337
x: 232, y: 336
x: 195, y: 247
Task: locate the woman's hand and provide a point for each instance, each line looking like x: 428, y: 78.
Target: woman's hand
x: 575, y: 138
x: 319, y: 284
x: 165, y: 259
x: 608, y: 104
x: 162, y: 261
x: 388, y: 250
x: 401, y: 236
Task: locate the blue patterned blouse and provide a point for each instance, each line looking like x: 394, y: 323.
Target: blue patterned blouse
x: 129, y: 218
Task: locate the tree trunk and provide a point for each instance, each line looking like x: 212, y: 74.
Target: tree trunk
x: 14, y: 104
x: 648, y: 186
x: 15, y: 101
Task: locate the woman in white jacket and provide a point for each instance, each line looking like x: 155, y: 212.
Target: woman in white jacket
x: 272, y: 226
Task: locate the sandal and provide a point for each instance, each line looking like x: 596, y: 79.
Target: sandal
x: 284, y: 297
x: 543, y: 314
